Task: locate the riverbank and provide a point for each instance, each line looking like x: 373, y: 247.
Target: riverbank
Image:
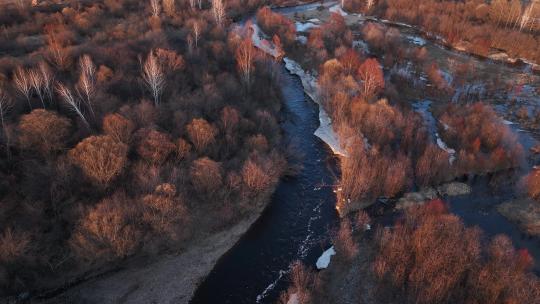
x: 355, y: 18
x: 170, y: 279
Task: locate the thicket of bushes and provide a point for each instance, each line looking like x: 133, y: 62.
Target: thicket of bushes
x: 124, y: 134
x: 484, y: 27
x: 389, y: 147
x: 428, y: 256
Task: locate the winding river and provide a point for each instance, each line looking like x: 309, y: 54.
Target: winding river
x: 299, y: 220
x: 294, y: 226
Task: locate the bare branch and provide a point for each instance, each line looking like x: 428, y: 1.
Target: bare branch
x: 36, y: 80
x: 87, y: 85
x: 153, y: 76
x: 218, y: 10
x: 48, y: 79
x: 22, y: 83
x: 73, y: 103
x: 155, y: 7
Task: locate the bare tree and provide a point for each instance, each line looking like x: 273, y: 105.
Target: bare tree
x: 369, y: 4
x: 36, y: 80
x: 196, y: 33
x: 58, y: 52
x: 22, y: 5
x: 153, y: 76
x: 245, y: 55
x: 218, y: 10
x: 87, y: 81
x: 169, y: 6
x: 526, y: 18
x: 192, y: 4
x: 155, y: 7
x: 48, y: 79
x: 73, y: 103
x: 200, y: 3
x: 21, y: 80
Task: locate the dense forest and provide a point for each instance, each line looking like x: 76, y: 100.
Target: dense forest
x: 428, y: 255
x: 124, y: 136
x: 131, y: 129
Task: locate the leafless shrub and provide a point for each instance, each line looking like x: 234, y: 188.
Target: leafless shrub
x: 107, y: 231
x: 13, y: 245
x: 100, y: 157
x: 165, y: 211
x: 183, y: 149
x: 303, y: 283
x: 154, y: 146
x: 201, y: 133
x: 346, y: 247
x: 169, y: 6
x: 43, y: 131
x: 118, y: 127
x: 206, y: 176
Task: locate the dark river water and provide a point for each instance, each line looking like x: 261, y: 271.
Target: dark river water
x: 294, y: 226
x: 299, y: 220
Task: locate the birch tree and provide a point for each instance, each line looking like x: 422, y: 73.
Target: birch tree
x: 47, y: 77
x: 526, y: 18
x: 21, y: 81
x: 196, y: 33
x: 218, y: 10
x: 155, y: 8
x: 245, y: 55
x: 369, y: 4
x: 72, y: 103
x: 37, y: 84
x: 86, y: 86
x: 153, y: 76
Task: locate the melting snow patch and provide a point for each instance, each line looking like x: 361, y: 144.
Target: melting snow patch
x: 324, y: 259
x: 507, y: 122
x: 337, y: 9
x: 325, y: 131
x: 416, y: 40
x: 361, y: 45
x: 304, y: 27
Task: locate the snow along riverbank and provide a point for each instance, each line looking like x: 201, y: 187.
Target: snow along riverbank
x: 325, y: 130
